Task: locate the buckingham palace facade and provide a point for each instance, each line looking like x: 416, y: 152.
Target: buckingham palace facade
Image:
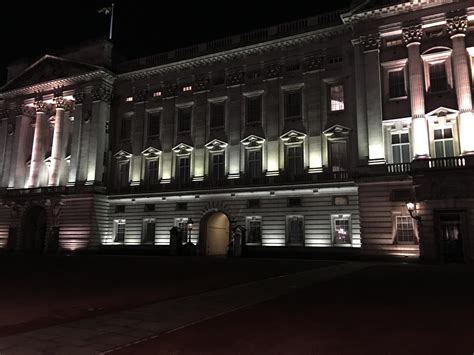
x: 348, y: 132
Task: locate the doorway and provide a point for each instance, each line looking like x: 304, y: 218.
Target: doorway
x: 451, y: 233
x: 34, y: 230
x: 215, y: 234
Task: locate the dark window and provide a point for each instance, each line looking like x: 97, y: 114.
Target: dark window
x: 154, y: 124
x: 184, y: 119
x: 148, y: 232
x: 152, y: 172
x: 254, y: 163
x: 218, y: 80
x: 294, y: 164
x: 444, y: 142
x: 255, y: 203
x: 295, y: 230
x: 149, y: 207
x: 184, y: 168
x: 294, y: 202
x: 217, y: 166
x: 338, y: 156
x: 125, y: 129
x: 217, y: 115
x: 396, y: 84
x: 400, y: 148
x: 293, y: 104
x: 123, y: 174
x: 438, y: 78
x: 119, y: 208
x: 403, y: 195
x: 254, y: 109
x: 342, y: 233
x: 254, y: 235
x: 181, y: 206
x: 119, y: 231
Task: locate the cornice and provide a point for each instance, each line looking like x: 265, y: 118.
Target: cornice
x: 237, y: 53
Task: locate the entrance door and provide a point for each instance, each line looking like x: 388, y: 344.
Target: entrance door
x: 34, y: 230
x: 451, y: 233
x: 217, y: 234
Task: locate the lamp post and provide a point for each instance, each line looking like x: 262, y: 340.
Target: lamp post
x: 190, y: 228
x: 411, y: 207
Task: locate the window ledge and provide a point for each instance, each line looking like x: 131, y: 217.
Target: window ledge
x: 397, y: 98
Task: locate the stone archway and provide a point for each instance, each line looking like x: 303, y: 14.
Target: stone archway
x: 33, y: 230
x: 214, y: 234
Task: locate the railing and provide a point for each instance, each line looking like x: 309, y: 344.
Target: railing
x: 451, y: 162
x: 397, y: 168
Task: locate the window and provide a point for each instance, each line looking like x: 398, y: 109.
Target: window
x: 254, y: 109
x: 157, y: 94
x: 119, y: 208
x: 184, y: 168
x: 295, y: 230
x: 444, y: 142
x: 119, y: 231
x: 255, y: 203
x: 254, y: 163
x: 400, y: 148
x: 123, y: 174
x: 217, y: 166
x: 148, y: 233
x: 294, y: 202
x: 396, y: 83
x: 129, y: 99
x: 293, y: 104
x: 187, y: 88
x: 254, y: 230
x: 152, y: 172
x: 340, y: 200
x: 294, y: 163
x: 336, y: 97
x: 154, y: 124
x: 338, y: 151
x: 438, y: 77
x: 182, y: 225
x: 217, y: 115
x: 149, y: 207
x: 125, y: 129
x: 341, y: 230
x: 184, y: 119
x: 405, y: 231
x: 181, y: 206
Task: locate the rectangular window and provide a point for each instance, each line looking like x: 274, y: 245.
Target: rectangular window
x: 254, y: 230
x: 182, y: 225
x: 254, y: 163
x: 294, y: 164
x: 340, y: 200
x: 119, y: 208
x: 444, y: 142
x: 405, y: 230
x: 181, y: 206
x: 184, y: 168
x: 400, y: 148
x: 336, y: 97
x: 295, y: 230
x: 338, y: 156
x: 217, y: 166
x: 293, y: 104
x: 438, y: 78
x: 254, y: 109
x: 148, y: 234
x: 152, y: 172
x: 154, y: 124
x: 125, y: 129
x: 341, y: 227
x: 149, y: 207
x: 217, y: 115
x: 294, y: 202
x: 119, y: 231
x: 254, y: 203
x: 396, y: 84
x: 124, y: 174
x: 184, y: 119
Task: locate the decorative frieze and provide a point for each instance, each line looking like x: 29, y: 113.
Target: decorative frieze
x: 412, y: 34
x: 272, y: 70
x: 79, y: 98
x: 170, y: 89
x: 370, y: 42
x: 102, y: 93
x: 314, y: 62
x: 235, y: 77
x: 202, y: 83
x: 457, y: 25
x: 140, y: 95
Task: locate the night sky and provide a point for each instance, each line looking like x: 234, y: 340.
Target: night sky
x: 32, y: 29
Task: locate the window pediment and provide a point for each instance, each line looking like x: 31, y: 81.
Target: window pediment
x: 442, y: 111
x: 183, y: 149
x: 216, y: 145
x: 122, y: 155
x: 252, y: 141
x: 293, y: 137
x: 337, y: 132
x: 151, y: 152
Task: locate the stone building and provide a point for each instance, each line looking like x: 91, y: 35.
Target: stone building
x: 311, y: 135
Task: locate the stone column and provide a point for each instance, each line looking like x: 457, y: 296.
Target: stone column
x: 37, y: 153
x: 457, y: 28
x: 57, y: 153
x: 420, y: 140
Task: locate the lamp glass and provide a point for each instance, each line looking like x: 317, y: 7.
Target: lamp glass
x: 410, y: 206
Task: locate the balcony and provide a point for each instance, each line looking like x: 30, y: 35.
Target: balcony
x: 428, y: 164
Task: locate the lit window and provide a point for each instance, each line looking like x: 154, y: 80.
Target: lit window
x: 254, y: 230
x: 340, y: 201
x: 394, y: 42
x: 254, y: 109
x: 444, y: 142
x: 154, y: 124
x: 400, y: 148
x: 157, y: 94
x: 129, y: 99
x: 187, y: 88
x: 293, y: 103
x: 438, y: 78
x: 217, y: 166
x: 184, y: 119
x: 295, y: 230
x: 405, y: 230
x: 217, y: 115
x: 119, y: 231
x: 341, y: 230
x: 148, y: 233
x: 294, y: 160
x: 336, y: 93
x: 396, y: 84
x: 254, y: 163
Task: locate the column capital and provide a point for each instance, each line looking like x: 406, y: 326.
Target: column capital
x: 79, y: 97
x: 102, y: 93
x: 457, y: 25
x: 370, y: 42
x: 412, y: 34
x: 61, y: 102
x: 41, y: 106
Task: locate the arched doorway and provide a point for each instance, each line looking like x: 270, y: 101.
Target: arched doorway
x: 214, y: 234
x: 34, y: 230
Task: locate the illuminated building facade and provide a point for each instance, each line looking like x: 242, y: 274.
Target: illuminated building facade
x: 310, y: 134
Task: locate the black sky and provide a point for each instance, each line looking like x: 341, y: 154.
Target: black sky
x: 32, y: 29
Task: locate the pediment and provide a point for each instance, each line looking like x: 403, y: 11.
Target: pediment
x: 442, y: 111
x: 292, y: 137
x: 46, y: 69
x: 216, y: 145
x: 183, y: 149
x: 122, y: 155
x: 252, y: 141
x: 337, y: 132
x: 151, y: 152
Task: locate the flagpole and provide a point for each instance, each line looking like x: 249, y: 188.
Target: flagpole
x: 111, y: 22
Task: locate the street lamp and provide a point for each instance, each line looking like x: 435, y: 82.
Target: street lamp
x: 190, y: 228
x: 411, y: 207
